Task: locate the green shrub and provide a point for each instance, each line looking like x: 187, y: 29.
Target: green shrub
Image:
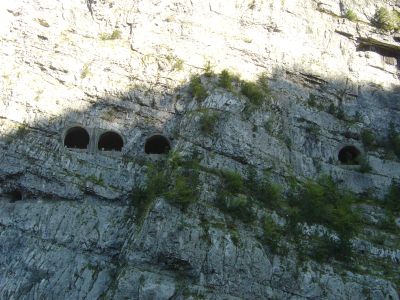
x: 235, y: 236
x: 368, y: 138
x: 184, y: 189
x: 313, y: 130
x: 338, y: 112
x: 116, y: 34
x: 226, y: 80
x: 394, y: 139
x: 272, y: 234
x: 312, y: 100
x: 332, y: 109
x: 386, y: 20
x: 396, y: 144
x: 388, y: 223
x: 156, y: 185
x: 197, y: 88
x: 233, y: 182
x: 231, y: 196
x: 256, y: 92
x: 43, y: 22
x: 350, y: 15
x: 326, y: 247
x: 208, y: 70
x: 236, y: 202
x: 365, y: 167
x: 140, y: 197
x: 392, y: 200
x: 262, y: 82
x: 238, y: 205
x: 263, y: 190
x: 85, y: 71
x: 178, y: 65
x: 21, y: 131
x: 237, y: 195
x: 96, y: 180
x: 253, y: 91
x: 175, y: 160
x: 183, y: 180
x: 323, y: 203
x: 157, y: 180
x: 208, y: 120
x: 358, y: 117
x: 174, y: 178
x: 269, y: 126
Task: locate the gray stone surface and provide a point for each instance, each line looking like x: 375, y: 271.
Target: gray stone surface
x: 74, y: 234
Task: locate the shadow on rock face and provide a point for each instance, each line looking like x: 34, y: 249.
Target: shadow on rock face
x: 296, y: 133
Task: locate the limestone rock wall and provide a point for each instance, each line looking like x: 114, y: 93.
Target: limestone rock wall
x: 125, y: 66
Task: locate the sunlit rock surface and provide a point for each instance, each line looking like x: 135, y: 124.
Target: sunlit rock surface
x: 124, y: 66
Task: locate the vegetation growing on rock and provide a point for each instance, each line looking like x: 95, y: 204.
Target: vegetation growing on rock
x: 227, y: 80
x: 85, y: 71
x: 392, y: 200
x: 351, y: 15
x: 116, y: 34
x: 368, y: 138
x: 197, y: 88
x: 394, y: 140
x: 208, y: 121
x: 272, y: 234
x: 387, y: 20
x: 173, y: 178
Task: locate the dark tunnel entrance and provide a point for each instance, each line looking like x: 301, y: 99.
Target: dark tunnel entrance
x: 349, y: 155
x: 76, y: 138
x: 157, y: 144
x: 110, y: 141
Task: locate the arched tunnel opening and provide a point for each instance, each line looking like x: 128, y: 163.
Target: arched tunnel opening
x: 76, y: 138
x: 157, y: 144
x: 349, y: 155
x: 110, y: 141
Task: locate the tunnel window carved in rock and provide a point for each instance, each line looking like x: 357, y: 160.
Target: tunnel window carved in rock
x: 110, y: 141
x: 157, y: 144
x: 349, y: 155
x: 76, y: 138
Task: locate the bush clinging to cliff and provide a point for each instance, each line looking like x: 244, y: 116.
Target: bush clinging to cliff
x: 386, y: 20
x: 197, y: 88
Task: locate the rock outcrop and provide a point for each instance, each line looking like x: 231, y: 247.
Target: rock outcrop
x: 69, y: 226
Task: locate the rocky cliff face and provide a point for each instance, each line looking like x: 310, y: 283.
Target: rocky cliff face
x: 69, y: 224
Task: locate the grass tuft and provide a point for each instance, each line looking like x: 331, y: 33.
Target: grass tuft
x: 197, y: 88
x: 116, y: 34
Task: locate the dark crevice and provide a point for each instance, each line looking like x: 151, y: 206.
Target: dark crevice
x: 313, y: 79
x: 390, y: 53
x: 89, y: 4
x: 15, y: 195
x: 241, y: 160
x: 42, y: 37
x: 345, y: 34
